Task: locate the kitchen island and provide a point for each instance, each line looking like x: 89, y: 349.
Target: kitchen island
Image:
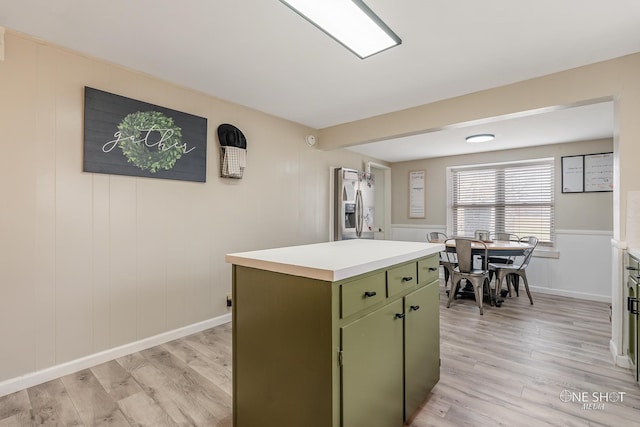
x: 334, y: 334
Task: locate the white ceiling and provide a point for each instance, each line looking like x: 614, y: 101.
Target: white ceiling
x: 553, y: 126
x: 260, y: 54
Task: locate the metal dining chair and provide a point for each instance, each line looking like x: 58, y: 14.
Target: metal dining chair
x: 503, y: 237
x: 481, y: 235
x: 448, y: 266
x: 515, y: 270
x: 478, y: 278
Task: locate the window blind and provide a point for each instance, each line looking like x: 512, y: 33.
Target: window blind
x: 515, y: 198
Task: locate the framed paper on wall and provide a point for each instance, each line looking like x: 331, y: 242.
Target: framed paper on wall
x: 573, y: 174
x: 587, y: 173
x: 598, y: 172
x: 416, y: 194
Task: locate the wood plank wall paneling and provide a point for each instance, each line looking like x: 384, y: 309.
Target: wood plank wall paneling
x: 44, y: 226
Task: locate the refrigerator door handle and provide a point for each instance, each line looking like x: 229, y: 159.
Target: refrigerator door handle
x: 359, y: 213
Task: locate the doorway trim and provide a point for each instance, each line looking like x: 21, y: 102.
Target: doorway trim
x: 386, y: 195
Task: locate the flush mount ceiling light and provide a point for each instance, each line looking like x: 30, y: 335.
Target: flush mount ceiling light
x: 481, y: 137
x: 350, y: 22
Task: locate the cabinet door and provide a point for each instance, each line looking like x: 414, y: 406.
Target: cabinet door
x: 422, y: 345
x: 372, y: 376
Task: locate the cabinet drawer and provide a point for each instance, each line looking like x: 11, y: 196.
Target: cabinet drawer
x: 400, y: 278
x: 361, y: 293
x: 428, y: 269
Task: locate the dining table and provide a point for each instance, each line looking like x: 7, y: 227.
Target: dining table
x: 495, y: 248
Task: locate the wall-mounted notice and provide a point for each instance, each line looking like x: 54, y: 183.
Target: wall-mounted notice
x: 573, y: 174
x: 587, y: 173
x: 416, y: 194
x: 598, y: 172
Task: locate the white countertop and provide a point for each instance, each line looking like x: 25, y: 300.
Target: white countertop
x: 332, y: 261
x: 634, y: 251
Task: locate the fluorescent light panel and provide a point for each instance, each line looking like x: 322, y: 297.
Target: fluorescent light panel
x: 350, y: 22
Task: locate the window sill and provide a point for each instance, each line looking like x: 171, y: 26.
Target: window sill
x: 546, y: 253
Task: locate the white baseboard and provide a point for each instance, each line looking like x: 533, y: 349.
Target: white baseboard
x: 29, y: 380
x: 621, y: 360
x: 571, y: 294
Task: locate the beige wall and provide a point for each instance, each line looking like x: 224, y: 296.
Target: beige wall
x: 92, y: 261
x: 578, y: 211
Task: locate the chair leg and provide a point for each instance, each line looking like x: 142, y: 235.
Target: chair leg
x: 446, y: 276
x: 526, y: 286
x: 452, y: 291
x: 478, y: 290
x: 508, y: 279
x: 490, y: 292
x: 498, y: 288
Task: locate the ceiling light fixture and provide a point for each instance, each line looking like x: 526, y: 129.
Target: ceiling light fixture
x: 481, y: 137
x: 350, y: 22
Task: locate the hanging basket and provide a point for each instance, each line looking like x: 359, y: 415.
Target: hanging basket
x: 233, y: 151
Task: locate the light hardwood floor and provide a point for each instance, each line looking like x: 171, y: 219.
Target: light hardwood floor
x: 506, y: 368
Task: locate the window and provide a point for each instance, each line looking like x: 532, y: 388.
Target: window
x: 513, y: 198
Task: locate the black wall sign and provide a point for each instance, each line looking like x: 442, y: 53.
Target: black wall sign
x: 123, y: 136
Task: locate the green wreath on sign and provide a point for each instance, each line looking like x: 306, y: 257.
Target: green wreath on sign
x: 152, y: 154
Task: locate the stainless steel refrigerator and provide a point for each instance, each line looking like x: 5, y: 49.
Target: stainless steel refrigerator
x: 354, y: 204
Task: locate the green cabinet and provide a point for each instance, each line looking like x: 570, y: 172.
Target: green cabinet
x: 363, y: 351
x: 401, y: 278
x: 283, y: 362
x: 421, y: 345
x: 362, y: 293
x: 372, y: 373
